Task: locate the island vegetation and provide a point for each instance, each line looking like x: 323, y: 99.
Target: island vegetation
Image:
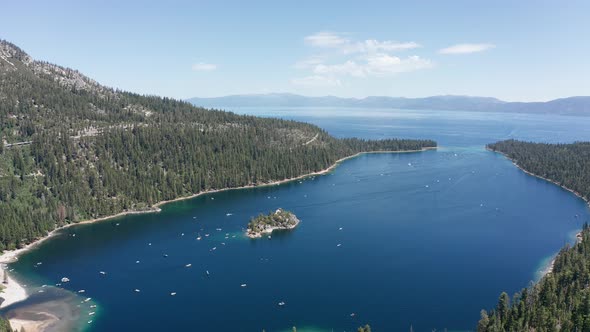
x: 73, y: 150
x: 365, y: 328
x: 560, y: 301
x: 266, y: 224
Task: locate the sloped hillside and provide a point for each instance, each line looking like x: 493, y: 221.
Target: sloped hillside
x: 74, y: 150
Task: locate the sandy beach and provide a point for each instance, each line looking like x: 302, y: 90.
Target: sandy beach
x: 54, y: 310
x: 33, y: 325
x: 14, y: 292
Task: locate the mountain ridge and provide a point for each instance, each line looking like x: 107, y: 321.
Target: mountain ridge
x: 575, y: 105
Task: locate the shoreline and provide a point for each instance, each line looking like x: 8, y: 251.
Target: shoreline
x: 550, y: 266
x: 17, y: 293
x: 541, y: 177
x: 269, y: 231
x: 13, y: 291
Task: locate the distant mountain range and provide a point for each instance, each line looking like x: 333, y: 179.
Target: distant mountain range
x: 564, y: 106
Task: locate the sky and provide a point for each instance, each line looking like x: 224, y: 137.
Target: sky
x: 521, y: 50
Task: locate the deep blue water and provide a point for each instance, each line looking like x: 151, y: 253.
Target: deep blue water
x: 428, y: 239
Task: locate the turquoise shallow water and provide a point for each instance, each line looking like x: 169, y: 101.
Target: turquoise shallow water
x: 428, y: 239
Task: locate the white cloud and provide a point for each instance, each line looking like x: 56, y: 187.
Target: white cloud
x: 379, y: 64
x: 202, y: 66
x: 466, y: 48
x: 316, y: 81
x: 384, y: 64
x: 333, y: 40
x: 342, y: 57
x: 372, y: 46
x: 326, y: 39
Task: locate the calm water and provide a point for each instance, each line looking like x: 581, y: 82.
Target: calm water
x: 428, y: 239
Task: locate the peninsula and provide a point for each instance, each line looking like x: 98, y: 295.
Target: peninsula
x: 266, y: 224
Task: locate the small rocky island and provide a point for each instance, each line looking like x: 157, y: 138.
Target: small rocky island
x: 266, y: 224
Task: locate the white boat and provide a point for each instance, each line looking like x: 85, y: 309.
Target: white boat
x: 207, y: 272
x: 137, y: 290
x: 182, y: 234
x: 338, y: 245
x: 87, y: 299
x: 188, y: 265
x: 136, y: 262
x: 82, y: 291
x: 340, y: 228
x: 281, y: 303
x: 91, y: 313
x: 199, y: 238
x: 243, y: 285
x: 173, y: 293
x: 214, y: 248
x: 103, y: 273
x: 228, y: 214
x: 64, y: 279
x: 90, y: 321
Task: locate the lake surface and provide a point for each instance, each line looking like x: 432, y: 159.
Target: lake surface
x: 417, y: 239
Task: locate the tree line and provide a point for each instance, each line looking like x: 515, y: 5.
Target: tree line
x: 560, y: 301
x: 97, y: 151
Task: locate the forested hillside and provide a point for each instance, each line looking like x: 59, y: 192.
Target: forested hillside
x: 559, y: 302
x: 72, y: 149
x: 566, y: 164
x: 561, y: 299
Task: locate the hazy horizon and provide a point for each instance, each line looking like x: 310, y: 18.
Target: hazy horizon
x: 524, y: 51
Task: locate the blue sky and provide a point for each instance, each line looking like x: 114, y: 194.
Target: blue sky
x: 513, y: 50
